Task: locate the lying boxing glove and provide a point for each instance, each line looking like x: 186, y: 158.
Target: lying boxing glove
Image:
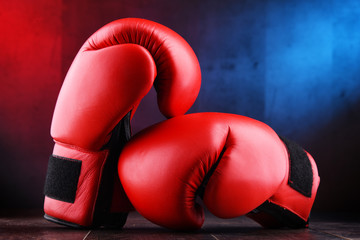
x: 236, y: 164
x: 113, y: 71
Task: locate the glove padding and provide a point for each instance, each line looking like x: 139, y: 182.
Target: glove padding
x: 236, y: 164
x: 112, y: 72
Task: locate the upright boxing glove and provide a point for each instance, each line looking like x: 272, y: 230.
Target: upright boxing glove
x: 237, y: 165
x: 112, y: 72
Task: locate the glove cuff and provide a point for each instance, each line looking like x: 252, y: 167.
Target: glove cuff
x: 72, y: 185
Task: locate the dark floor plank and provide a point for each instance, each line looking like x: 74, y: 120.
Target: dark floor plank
x: 344, y: 225
x: 31, y: 225
x: 25, y: 224
x: 214, y: 228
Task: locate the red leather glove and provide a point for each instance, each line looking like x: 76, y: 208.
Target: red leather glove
x: 236, y: 164
x: 113, y: 71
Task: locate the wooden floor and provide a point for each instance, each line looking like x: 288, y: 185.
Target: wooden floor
x: 31, y: 225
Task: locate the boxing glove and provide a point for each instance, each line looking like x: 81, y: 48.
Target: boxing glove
x: 112, y: 72
x: 236, y: 164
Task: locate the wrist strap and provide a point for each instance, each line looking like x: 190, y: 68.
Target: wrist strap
x: 62, y: 178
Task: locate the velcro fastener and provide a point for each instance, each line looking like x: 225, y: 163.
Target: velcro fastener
x: 300, y: 175
x: 62, y: 178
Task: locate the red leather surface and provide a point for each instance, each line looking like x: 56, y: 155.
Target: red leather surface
x: 163, y: 166
x: 99, y: 89
x: 109, y: 77
x: 113, y: 71
x: 81, y: 211
x: 178, y: 77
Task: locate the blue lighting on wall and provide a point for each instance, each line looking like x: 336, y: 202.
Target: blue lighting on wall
x: 292, y: 64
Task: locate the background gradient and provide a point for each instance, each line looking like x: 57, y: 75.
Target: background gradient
x: 294, y: 65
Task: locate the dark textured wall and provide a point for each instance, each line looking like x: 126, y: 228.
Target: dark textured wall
x: 292, y: 64
x: 30, y: 75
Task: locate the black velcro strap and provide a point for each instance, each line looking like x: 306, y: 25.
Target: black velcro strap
x: 62, y: 178
x: 301, y: 175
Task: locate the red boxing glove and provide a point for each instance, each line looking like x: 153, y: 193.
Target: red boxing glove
x: 113, y: 71
x: 236, y: 164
